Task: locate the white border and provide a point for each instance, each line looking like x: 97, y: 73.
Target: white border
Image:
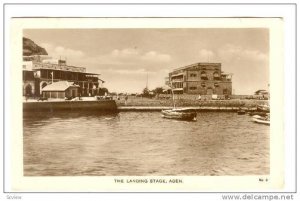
x: 287, y: 12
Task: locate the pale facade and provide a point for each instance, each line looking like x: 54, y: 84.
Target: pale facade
x: 201, y: 78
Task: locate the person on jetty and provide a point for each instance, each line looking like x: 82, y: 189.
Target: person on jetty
x: 199, y: 97
x: 126, y: 98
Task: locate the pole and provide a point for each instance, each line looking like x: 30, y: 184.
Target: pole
x: 173, y: 98
x: 147, y: 81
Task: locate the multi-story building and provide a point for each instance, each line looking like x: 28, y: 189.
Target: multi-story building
x: 201, y: 78
x: 40, y: 71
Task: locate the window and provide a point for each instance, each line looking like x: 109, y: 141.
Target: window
x: 193, y: 75
x: 203, y: 85
x: 216, y: 76
x: 216, y: 84
x: 193, y: 88
x: 178, y: 85
x: 203, y: 75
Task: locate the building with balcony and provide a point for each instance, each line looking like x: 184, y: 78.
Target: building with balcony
x: 41, y: 70
x: 200, y: 78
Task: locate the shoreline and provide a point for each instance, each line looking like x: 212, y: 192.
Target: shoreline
x: 150, y: 109
x: 143, y: 105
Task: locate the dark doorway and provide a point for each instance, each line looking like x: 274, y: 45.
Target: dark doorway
x: 28, y: 90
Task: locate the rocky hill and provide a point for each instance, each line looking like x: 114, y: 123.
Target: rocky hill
x: 30, y: 48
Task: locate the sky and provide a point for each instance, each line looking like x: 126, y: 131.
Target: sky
x: 124, y: 57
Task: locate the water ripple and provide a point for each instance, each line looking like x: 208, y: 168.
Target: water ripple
x: 143, y: 143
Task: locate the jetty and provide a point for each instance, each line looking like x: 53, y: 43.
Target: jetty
x: 50, y: 106
x: 196, y: 108
x: 142, y: 105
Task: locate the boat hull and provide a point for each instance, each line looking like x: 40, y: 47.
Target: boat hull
x: 263, y: 108
x: 241, y: 112
x: 171, y: 114
x: 261, y: 121
x: 262, y: 114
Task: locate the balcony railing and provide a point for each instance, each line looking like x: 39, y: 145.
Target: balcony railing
x: 177, y: 80
x: 58, y: 67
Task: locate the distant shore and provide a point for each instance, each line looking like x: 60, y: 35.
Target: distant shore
x: 147, y: 102
x: 143, y: 104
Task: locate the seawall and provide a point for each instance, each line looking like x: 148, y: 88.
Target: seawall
x: 102, y: 105
x: 204, y: 108
x: 145, y: 104
x: 141, y: 105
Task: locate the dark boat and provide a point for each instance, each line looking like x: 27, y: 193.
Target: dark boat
x: 180, y: 114
x: 263, y: 114
x: 261, y: 120
x: 263, y: 108
x: 241, y: 112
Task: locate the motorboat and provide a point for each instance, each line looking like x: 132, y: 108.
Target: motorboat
x: 180, y: 114
x: 261, y: 119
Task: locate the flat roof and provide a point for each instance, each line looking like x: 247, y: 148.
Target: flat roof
x: 91, y: 73
x: 199, y: 63
x: 65, y: 71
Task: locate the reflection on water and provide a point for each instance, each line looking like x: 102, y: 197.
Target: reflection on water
x: 143, y: 143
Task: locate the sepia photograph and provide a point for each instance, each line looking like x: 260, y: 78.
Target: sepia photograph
x: 146, y: 104
x: 143, y: 102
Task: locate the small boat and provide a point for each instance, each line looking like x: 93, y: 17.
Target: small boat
x: 187, y: 114
x: 180, y: 114
x: 263, y: 108
x: 262, y: 114
x: 241, y: 112
x: 261, y: 120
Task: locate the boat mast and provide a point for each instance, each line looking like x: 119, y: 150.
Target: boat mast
x: 173, y: 98
x: 147, y: 81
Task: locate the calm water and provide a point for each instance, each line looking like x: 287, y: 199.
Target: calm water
x: 143, y: 143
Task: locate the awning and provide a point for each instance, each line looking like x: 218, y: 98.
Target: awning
x: 59, y: 86
x: 178, y: 89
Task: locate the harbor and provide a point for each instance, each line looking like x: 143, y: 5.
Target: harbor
x: 144, y: 109
x: 142, y: 143
x: 139, y: 104
x: 51, y: 84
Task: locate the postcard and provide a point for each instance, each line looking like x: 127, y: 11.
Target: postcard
x: 146, y: 104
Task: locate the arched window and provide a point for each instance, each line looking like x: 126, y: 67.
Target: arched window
x: 28, y: 90
x: 203, y: 75
x: 216, y: 76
